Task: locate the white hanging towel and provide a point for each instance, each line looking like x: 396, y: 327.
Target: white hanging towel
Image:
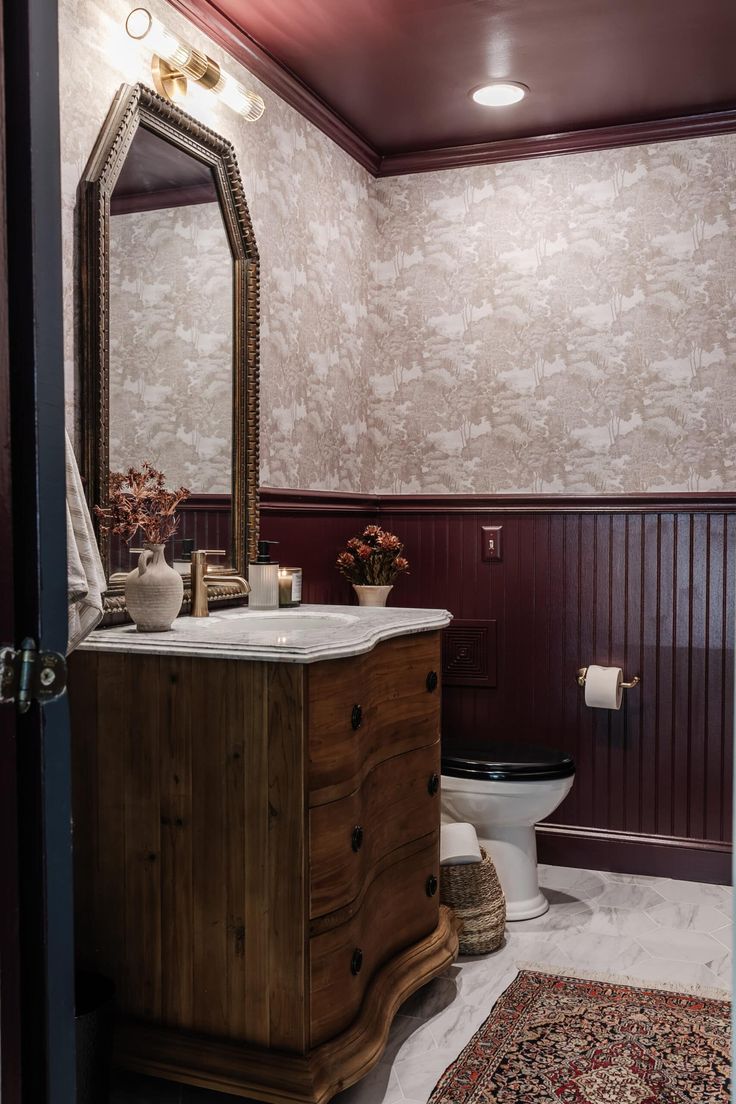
x: 86, y: 581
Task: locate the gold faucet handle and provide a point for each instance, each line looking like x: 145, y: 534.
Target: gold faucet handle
x: 205, y: 552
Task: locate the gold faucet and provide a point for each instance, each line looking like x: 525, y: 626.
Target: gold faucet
x: 200, y: 578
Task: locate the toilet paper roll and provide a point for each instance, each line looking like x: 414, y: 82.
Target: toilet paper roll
x: 458, y: 844
x: 603, y: 687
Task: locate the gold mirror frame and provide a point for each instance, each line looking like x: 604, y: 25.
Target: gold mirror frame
x: 138, y: 106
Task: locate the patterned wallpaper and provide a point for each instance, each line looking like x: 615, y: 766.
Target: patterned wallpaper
x: 171, y: 346
x: 309, y: 204
x: 562, y: 325
x: 559, y: 325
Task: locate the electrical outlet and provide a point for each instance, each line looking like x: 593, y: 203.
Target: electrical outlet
x: 491, y: 542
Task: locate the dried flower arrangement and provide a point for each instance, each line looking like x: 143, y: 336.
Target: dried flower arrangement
x: 139, y: 500
x: 373, y: 559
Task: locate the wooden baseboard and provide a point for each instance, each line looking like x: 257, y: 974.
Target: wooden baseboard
x: 631, y: 853
x: 227, y: 1066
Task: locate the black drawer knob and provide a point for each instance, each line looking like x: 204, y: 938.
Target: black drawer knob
x: 356, y: 717
x: 433, y: 786
x: 432, y: 681
x: 356, y: 962
x: 356, y: 839
x: 431, y: 885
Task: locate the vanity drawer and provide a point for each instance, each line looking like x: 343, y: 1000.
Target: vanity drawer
x: 400, y: 907
x: 398, y: 802
x: 369, y: 708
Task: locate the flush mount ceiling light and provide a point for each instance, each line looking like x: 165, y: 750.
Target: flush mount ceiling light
x: 175, y: 62
x: 499, y: 93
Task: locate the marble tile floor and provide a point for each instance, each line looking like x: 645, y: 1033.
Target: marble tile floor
x: 648, y: 929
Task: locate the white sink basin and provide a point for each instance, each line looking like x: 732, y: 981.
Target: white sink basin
x: 282, y: 623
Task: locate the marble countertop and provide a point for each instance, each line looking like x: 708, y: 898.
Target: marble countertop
x: 306, y: 634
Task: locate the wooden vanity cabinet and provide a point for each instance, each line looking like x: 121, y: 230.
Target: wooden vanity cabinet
x: 257, y: 859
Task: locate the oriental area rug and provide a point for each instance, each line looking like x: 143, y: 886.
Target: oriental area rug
x: 557, y: 1039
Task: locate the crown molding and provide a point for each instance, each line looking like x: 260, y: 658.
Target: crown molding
x: 573, y: 141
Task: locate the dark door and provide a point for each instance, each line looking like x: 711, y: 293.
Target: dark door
x: 36, y: 938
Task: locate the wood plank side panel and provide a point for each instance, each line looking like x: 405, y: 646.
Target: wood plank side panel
x: 243, y: 682
x: 177, y: 842
x: 142, y: 829
x: 190, y: 790
x: 82, y: 691
x: 287, y: 835
x: 101, y: 936
x: 208, y: 703
x: 257, y: 906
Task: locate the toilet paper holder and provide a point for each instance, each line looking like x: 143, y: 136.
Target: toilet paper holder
x: 583, y: 671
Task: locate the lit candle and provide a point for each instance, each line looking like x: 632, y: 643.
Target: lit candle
x: 284, y: 588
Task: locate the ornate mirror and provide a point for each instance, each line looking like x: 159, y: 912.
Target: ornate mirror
x: 170, y: 328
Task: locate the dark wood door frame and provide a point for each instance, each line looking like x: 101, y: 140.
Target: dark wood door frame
x: 38, y: 1053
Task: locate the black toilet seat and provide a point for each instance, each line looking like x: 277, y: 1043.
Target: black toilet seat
x: 506, y: 762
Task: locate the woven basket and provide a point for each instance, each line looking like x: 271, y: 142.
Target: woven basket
x: 474, y: 892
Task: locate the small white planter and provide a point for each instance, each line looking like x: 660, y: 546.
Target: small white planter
x: 372, y: 595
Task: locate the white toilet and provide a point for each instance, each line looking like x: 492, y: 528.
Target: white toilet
x: 503, y: 790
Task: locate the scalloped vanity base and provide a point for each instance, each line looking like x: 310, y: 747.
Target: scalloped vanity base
x: 257, y: 843
x: 279, y: 1078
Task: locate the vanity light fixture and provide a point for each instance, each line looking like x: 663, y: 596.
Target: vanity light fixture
x: 175, y: 62
x: 499, y: 93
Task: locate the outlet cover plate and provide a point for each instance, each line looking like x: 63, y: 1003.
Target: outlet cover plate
x: 491, y: 546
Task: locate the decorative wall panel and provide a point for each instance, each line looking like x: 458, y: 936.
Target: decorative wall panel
x: 469, y: 653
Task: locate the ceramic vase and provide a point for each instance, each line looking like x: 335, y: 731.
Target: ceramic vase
x: 372, y: 595
x: 153, y: 591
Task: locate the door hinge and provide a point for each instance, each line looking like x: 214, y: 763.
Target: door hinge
x: 29, y: 675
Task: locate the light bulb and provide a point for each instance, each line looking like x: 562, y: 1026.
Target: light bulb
x: 248, y: 104
x: 140, y: 24
x: 500, y: 93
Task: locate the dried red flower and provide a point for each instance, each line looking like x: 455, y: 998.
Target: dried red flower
x: 389, y: 541
x: 139, y: 500
x: 373, y: 560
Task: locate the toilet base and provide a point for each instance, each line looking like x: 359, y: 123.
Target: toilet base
x: 514, y: 854
x: 527, y: 910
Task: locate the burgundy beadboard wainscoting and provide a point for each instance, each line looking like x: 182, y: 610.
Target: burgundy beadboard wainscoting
x: 646, y: 583
x: 205, y: 519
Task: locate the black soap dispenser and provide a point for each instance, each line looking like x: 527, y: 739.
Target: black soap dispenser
x: 263, y: 576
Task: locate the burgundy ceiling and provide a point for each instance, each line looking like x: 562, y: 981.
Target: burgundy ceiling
x: 392, y: 76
